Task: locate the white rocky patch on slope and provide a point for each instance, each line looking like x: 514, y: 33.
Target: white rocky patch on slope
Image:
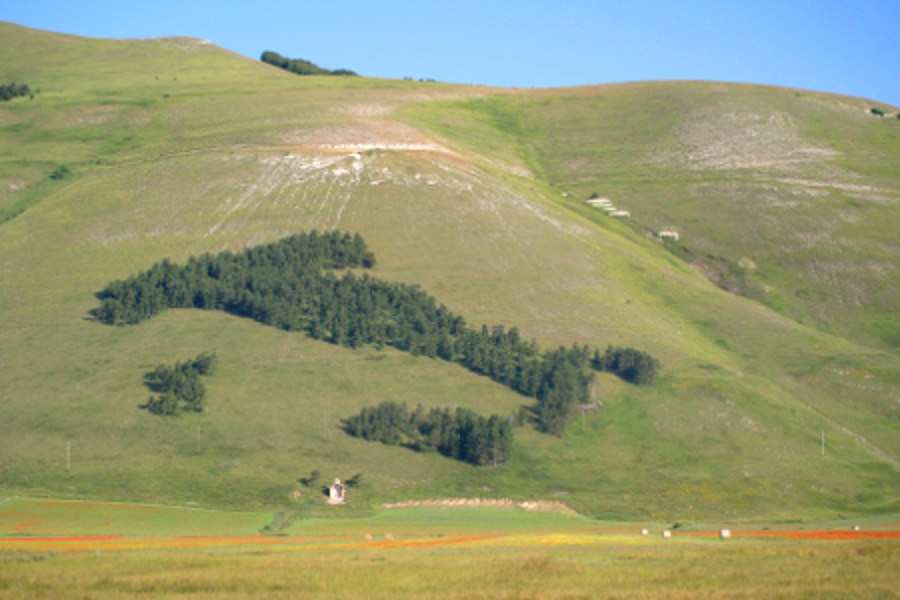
x: 723, y: 139
x: 373, y: 134
x: 321, y: 186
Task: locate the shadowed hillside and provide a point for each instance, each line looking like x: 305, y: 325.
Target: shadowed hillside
x: 174, y: 148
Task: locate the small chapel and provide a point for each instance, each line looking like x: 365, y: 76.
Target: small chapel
x: 336, y: 492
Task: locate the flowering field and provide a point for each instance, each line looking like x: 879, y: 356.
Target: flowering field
x: 433, y: 552
x: 67, y: 517
x: 836, y: 535
x: 101, y: 543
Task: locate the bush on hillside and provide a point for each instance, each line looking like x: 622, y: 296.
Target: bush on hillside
x: 8, y: 91
x: 60, y: 172
x: 629, y: 364
x: 178, y: 388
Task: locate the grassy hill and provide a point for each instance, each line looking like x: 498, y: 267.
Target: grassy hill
x: 175, y: 147
x: 786, y: 196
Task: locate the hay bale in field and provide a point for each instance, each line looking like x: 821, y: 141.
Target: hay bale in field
x: 645, y: 531
x: 725, y: 534
x: 666, y: 534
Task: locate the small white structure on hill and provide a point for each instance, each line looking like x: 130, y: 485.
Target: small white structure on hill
x: 668, y: 235
x: 336, y: 492
x: 605, y: 204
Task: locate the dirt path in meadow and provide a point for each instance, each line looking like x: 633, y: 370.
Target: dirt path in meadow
x: 535, y: 505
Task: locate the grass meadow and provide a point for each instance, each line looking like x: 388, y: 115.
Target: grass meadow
x: 104, y: 550
x: 787, y: 196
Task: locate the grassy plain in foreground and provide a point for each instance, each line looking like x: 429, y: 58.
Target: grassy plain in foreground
x: 434, y: 552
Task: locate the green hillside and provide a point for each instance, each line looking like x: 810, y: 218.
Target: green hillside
x: 175, y: 147
x: 785, y: 196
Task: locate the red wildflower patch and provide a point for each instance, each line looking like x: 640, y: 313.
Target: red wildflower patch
x: 86, y: 543
x: 61, y: 538
x: 836, y: 535
x: 830, y: 536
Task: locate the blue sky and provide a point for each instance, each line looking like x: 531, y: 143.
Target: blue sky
x: 841, y: 46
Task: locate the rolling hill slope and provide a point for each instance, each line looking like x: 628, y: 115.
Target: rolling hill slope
x: 786, y: 196
x: 176, y: 147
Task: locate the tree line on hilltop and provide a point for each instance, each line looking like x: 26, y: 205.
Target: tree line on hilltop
x: 295, y: 285
x: 298, y: 66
